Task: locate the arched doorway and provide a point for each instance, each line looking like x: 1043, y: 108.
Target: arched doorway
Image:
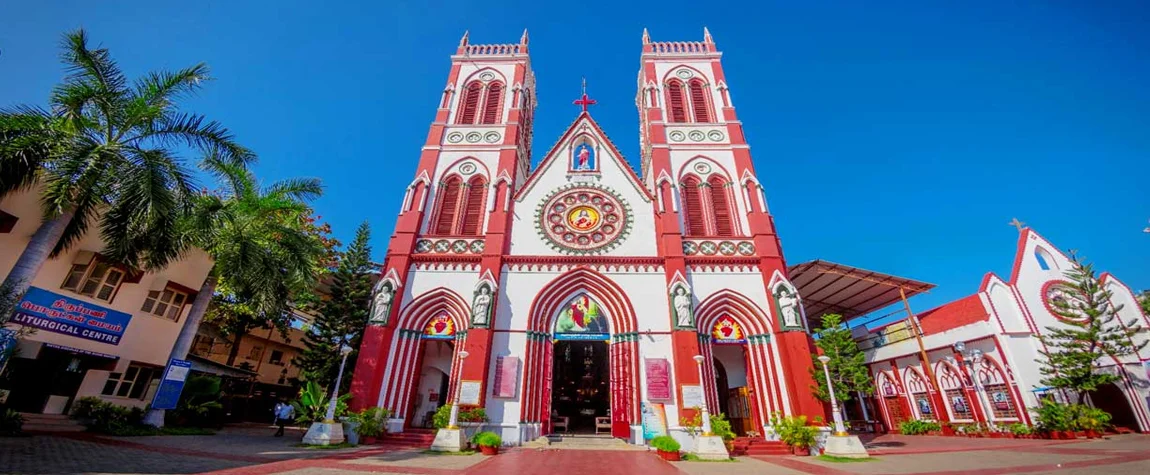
x: 1110, y: 398
x: 431, y: 391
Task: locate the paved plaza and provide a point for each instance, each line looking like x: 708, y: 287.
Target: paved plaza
x: 248, y: 450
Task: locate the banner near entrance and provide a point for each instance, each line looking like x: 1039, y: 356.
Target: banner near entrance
x: 581, y: 320
x: 168, y: 394
x: 654, y: 420
x: 728, y: 332
x: 658, y: 379
x: 506, y: 376
x: 439, y: 328
x: 57, y: 313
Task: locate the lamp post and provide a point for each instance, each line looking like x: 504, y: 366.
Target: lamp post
x: 453, y: 422
x: 839, y: 429
x: 330, y: 417
x: 971, y: 360
x: 702, y: 387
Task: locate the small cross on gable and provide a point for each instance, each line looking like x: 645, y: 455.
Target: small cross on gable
x: 585, y: 100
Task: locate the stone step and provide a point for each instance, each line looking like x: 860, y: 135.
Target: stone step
x: 50, y: 423
x: 590, y: 442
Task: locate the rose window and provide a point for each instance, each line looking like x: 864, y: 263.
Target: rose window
x: 583, y: 219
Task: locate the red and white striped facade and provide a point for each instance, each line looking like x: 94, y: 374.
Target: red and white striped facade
x: 1002, y: 321
x: 695, y: 217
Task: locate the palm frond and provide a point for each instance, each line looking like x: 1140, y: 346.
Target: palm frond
x: 96, y: 65
x: 296, y: 189
x: 196, y: 131
x: 28, y: 141
x: 163, y: 88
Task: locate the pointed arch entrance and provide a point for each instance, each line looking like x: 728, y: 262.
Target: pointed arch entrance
x: 551, y: 312
x: 431, y: 330
x: 734, y: 334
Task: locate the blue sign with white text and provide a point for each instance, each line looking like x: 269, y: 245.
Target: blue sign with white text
x: 56, y: 313
x: 168, y: 394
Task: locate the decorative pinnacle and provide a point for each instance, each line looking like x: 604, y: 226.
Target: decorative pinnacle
x: 1018, y: 224
x: 463, y: 41
x: 523, y: 39
x: 646, y: 36
x: 707, y: 36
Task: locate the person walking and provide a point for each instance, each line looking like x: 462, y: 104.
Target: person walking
x: 284, y: 414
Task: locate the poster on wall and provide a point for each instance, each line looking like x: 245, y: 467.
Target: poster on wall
x: 469, y: 392
x: 658, y: 378
x: 581, y: 319
x: 728, y: 332
x: 506, y: 376
x: 56, y: 313
x: 923, y: 404
x: 692, y: 396
x: 654, y: 420
x: 439, y: 328
x: 1001, y: 400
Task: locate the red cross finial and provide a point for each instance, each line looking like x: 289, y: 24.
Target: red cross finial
x: 585, y: 100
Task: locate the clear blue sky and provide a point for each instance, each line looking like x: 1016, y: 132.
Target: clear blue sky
x: 899, y: 137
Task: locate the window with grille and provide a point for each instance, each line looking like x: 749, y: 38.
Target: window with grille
x: 469, y: 104
x: 460, y: 207
x: 447, y: 208
x: 1000, y: 401
x: 277, y: 358
x: 699, y: 104
x: 708, y: 207
x: 132, y: 383
x: 493, y: 104
x: 167, y: 303
x: 676, y: 110
x: 958, y: 404
x: 96, y: 279
x: 693, y: 208
x: 473, y: 207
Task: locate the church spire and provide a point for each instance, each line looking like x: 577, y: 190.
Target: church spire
x: 647, y: 36
x: 707, y: 36
x: 523, y: 39
x: 463, y: 42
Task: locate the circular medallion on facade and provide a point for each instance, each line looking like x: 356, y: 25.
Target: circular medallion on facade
x: 684, y: 73
x: 442, y: 245
x: 477, y: 246
x: 455, y: 137
x: 727, y: 248
x: 696, y: 136
x: 690, y: 248
x: 491, y: 137
x: 677, y: 136
x: 467, y: 168
x: 474, y: 137
x: 1060, y: 298
x: 487, y: 76
x: 708, y: 248
x: 459, y: 247
x: 423, y: 245
x: 702, y: 168
x: 583, y: 218
x: 715, y: 135
x: 746, y: 248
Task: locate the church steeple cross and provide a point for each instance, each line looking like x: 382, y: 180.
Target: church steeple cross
x: 585, y: 100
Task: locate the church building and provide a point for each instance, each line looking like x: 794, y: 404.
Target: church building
x: 573, y: 293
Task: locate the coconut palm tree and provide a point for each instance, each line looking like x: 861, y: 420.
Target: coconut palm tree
x: 258, y: 241
x: 107, y: 152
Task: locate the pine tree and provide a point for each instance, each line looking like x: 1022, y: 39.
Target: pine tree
x: 342, y: 317
x: 1090, y: 334
x: 847, y: 364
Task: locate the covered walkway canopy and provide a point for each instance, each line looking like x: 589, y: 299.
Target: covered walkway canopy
x: 826, y: 287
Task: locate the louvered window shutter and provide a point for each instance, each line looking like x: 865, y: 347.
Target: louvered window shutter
x: 724, y: 224
x: 675, y: 101
x: 492, y: 108
x: 473, y: 208
x: 699, y: 102
x: 448, y: 204
x: 470, y: 104
x: 693, y: 208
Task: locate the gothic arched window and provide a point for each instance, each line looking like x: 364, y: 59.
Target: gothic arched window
x: 676, y: 108
x: 472, y: 206
x: 459, y: 207
x: 693, y: 220
x: 493, y: 104
x: 708, y: 207
x: 447, y: 205
x: 699, y: 104
x: 721, y: 204
x: 469, y: 103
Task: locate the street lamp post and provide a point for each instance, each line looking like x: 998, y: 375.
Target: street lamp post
x: 839, y: 429
x: 706, y: 415
x: 971, y: 360
x: 330, y: 417
x: 453, y: 423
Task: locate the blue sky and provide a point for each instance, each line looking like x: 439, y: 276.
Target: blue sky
x: 899, y: 137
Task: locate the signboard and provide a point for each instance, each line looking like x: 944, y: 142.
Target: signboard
x: 168, y: 394
x: 728, y: 332
x: 658, y: 379
x: 469, y: 392
x: 893, y: 333
x: 692, y: 396
x: 654, y: 420
x: 506, y: 376
x: 439, y: 328
x: 581, y: 319
x: 56, y: 313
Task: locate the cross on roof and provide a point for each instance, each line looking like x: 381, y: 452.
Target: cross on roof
x: 585, y: 100
x: 1016, y: 223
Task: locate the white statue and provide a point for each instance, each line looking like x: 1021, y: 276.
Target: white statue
x: 682, y: 303
x: 381, y: 305
x: 481, y: 306
x: 789, y: 307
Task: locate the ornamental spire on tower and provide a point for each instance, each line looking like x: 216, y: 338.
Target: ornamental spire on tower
x: 585, y: 100
x: 707, y: 36
x: 647, y: 36
x: 523, y: 39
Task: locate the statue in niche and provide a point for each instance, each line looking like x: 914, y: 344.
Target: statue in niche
x: 788, y: 304
x: 481, y: 306
x: 583, y: 157
x: 381, y: 304
x: 681, y: 303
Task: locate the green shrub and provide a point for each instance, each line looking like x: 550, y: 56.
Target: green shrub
x: 11, y: 423
x: 1054, y: 417
x: 199, y: 404
x: 477, y: 414
x: 665, y: 443
x: 917, y: 427
x: 794, y: 431
x: 721, y: 427
x: 312, y: 404
x: 1020, y: 429
x: 101, y: 416
x: 487, y: 439
x: 371, y: 421
x: 442, y: 417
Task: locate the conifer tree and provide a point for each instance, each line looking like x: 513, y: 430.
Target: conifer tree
x: 847, y: 364
x: 1090, y: 334
x: 342, y: 317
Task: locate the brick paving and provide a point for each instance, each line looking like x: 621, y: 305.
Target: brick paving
x: 45, y: 454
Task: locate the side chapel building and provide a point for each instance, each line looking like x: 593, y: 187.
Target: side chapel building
x: 575, y: 293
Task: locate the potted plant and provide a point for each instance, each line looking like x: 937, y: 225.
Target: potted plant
x: 667, y: 447
x: 721, y: 427
x: 802, y: 439
x: 370, y: 423
x: 488, y: 442
x: 1092, y: 421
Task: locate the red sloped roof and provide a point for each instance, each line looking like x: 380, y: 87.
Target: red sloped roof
x: 955, y: 314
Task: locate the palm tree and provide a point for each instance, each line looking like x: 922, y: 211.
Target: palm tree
x: 259, y: 243
x: 107, y: 152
